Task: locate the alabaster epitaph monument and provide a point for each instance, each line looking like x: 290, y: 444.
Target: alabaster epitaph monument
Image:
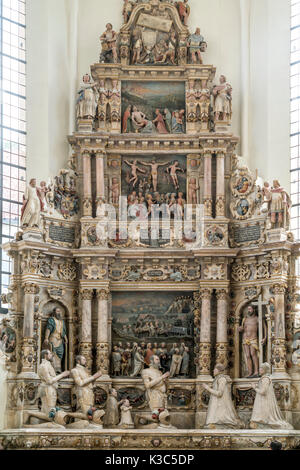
x: 153, y: 286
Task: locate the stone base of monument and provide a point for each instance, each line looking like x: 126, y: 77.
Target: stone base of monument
x: 32, y: 234
x: 276, y: 235
x: 133, y: 439
x: 85, y: 125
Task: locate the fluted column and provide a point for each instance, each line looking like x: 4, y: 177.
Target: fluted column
x: 100, y: 183
x: 207, y: 185
x: 279, y: 351
x: 220, y: 200
x: 28, y: 352
x: 205, y: 332
x: 86, y: 326
x: 87, y: 184
x: 103, y: 296
x: 222, y: 335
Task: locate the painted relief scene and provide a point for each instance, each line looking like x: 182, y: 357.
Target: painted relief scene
x: 150, y: 181
x: 144, y: 325
x: 153, y: 107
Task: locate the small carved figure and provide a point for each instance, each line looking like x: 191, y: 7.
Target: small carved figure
x: 127, y: 10
x: 176, y: 363
x: 223, y: 99
x: 193, y: 188
x: 108, y: 40
x: 138, y: 362
x: 56, y: 337
x: 137, y: 49
x: 126, y: 418
x: 32, y: 205
x: 173, y: 173
x: 196, y: 45
x: 154, y: 171
x: 116, y: 360
x: 115, y: 190
x: 87, y: 100
x: 185, y: 364
x: 111, y: 418
x: 184, y: 11
x: 266, y: 413
x: 134, y: 170
x: 221, y: 412
x: 249, y: 328
x: 159, y: 123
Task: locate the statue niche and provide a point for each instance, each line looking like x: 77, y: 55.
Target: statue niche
x: 55, y: 334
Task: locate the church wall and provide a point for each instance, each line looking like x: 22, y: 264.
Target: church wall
x: 65, y: 29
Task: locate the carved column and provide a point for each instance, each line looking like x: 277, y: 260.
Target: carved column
x: 205, y: 332
x: 87, y: 184
x: 86, y: 326
x: 103, y: 296
x: 279, y: 350
x: 207, y: 185
x: 100, y: 183
x: 220, y: 199
x: 28, y: 351
x: 222, y: 336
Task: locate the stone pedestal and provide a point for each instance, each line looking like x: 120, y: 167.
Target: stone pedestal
x: 85, y: 125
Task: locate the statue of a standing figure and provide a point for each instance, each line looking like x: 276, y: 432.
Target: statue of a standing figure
x: 249, y: 328
x: 223, y: 100
x: 279, y: 203
x: 221, y: 412
x: 32, y: 206
x: 156, y: 391
x: 266, y: 413
x: 112, y: 415
x: 88, y: 99
x: 56, y: 338
x: 85, y: 395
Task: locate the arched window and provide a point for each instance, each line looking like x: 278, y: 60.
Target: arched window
x: 12, y: 124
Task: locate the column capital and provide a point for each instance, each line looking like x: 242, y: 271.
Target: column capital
x: 86, y: 294
x: 103, y: 294
x: 222, y: 294
x: 279, y: 289
x: 86, y: 153
x: 100, y: 154
x: 205, y: 293
x: 30, y: 288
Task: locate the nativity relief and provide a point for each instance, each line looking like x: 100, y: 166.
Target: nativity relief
x: 154, y: 280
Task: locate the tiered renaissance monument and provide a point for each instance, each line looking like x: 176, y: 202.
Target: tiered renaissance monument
x: 154, y: 262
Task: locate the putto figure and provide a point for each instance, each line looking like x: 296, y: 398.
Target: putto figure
x: 32, y: 205
x: 221, y: 412
x: 266, y: 413
x: 56, y: 337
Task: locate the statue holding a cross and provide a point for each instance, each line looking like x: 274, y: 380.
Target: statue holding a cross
x: 253, y: 328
